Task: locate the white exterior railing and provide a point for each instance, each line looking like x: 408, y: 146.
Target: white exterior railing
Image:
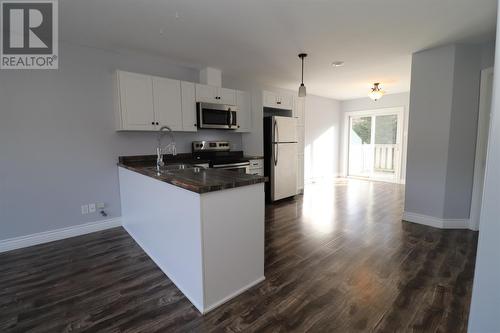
x: 385, y: 158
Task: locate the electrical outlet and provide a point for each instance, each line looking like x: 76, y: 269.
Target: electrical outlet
x: 92, y: 208
x: 85, y: 209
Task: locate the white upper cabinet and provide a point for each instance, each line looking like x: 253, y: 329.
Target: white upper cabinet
x: 286, y: 101
x: 299, y: 110
x: 145, y: 103
x: 167, y: 103
x: 212, y: 94
x: 135, y: 99
x: 227, y: 96
x: 206, y: 93
x: 188, y: 107
x: 277, y: 100
x: 244, y: 116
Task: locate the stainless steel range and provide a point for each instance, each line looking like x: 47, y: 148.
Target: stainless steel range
x: 220, y: 156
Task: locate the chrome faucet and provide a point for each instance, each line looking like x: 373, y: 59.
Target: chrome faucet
x: 159, y: 150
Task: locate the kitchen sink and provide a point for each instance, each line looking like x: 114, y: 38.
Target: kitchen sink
x: 178, y: 166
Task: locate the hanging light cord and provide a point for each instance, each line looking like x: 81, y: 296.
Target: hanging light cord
x: 302, y: 69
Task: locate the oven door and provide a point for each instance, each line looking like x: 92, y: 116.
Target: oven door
x: 216, y: 116
x: 243, y: 167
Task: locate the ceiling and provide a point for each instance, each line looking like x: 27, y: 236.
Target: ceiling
x: 260, y: 39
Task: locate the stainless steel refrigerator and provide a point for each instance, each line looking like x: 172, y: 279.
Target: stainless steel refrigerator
x: 280, y: 157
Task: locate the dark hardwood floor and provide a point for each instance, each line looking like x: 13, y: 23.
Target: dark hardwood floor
x: 338, y: 259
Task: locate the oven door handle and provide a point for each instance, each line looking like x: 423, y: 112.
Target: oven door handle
x: 231, y: 165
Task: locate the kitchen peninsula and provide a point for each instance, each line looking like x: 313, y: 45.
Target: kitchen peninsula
x: 203, y: 227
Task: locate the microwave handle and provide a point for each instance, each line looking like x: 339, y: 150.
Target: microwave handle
x: 230, y: 118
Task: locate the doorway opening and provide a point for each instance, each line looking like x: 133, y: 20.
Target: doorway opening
x: 483, y: 129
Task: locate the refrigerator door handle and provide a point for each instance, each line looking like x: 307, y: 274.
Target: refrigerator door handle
x: 276, y: 154
x: 276, y: 132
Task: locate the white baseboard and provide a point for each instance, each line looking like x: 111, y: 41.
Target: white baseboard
x: 57, y: 234
x: 436, y: 222
x: 233, y: 295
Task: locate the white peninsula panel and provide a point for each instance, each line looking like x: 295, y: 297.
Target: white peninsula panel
x: 211, y: 245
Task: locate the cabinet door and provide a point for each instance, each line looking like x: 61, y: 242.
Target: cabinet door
x: 206, y: 93
x: 167, y: 103
x: 188, y: 107
x: 299, y: 110
x: 270, y: 99
x: 227, y: 96
x: 243, y: 100
x: 285, y: 101
x: 136, y: 101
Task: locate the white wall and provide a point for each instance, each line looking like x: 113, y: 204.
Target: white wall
x: 58, y: 144
x: 484, y: 313
x: 322, y: 138
x: 366, y: 103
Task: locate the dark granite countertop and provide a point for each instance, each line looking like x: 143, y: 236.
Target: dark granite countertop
x: 254, y: 157
x: 199, y: 180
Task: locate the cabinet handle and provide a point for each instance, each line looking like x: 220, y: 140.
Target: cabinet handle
x: 157, y: 123
x: 195, y: 125
x: 152, y: 123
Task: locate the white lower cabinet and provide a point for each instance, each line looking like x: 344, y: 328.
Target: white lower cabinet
x: 257, y: 172
x: 256, y: 167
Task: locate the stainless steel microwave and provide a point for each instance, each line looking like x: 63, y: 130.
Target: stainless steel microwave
x: 217, y: 116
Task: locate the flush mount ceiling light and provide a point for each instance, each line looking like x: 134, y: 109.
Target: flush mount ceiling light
x: 376, y: 92
x: 338, y: 63
x: 302, y: 88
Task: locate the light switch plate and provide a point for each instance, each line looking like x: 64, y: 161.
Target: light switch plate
x: 92, y: 208
x: 85, y: 209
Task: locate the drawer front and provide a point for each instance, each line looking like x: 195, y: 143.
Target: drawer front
x: 255, y: 164
x: 257, y: 172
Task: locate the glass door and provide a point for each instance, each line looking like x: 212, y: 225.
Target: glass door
x: 386, y: 149
x: 360, y: 146
x: 374, y: 146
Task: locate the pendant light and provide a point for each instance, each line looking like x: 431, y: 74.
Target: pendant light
x: 302, y: 88
x: 376, y: 92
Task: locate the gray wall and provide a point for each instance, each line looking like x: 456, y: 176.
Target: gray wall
x: 484, y: 313
x: 463, y: 132
x: 58, y: 144
x: 442, y: 129
x: 366, y: 103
